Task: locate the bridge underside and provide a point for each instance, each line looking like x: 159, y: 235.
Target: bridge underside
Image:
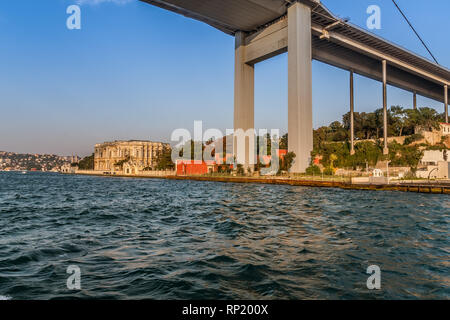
x: 229, y: 16
x: 347, y: 54
x: 307, y: 30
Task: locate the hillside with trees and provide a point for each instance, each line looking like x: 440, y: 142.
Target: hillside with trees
x: 86, y: 163
x: 332, y: 143
x: 401, y: 122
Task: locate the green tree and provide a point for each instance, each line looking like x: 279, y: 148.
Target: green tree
x: 338, y: 132
x: 284, y: 142
x: 328, y: 171
x: 321, y: 136
x: 359, y: 121
x: 366, y: 152
x: 405, y: 155
x: 399, y: 120
x: 122, y: 162
x: 424, y: 118
x: 287, y: 161
x: 86, y: 163
x: 240, y: 170
x: 371, y: 125
x: 164, y: 159
x: 313, y: 170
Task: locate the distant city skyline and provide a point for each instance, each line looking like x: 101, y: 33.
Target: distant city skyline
x: 135, y: 71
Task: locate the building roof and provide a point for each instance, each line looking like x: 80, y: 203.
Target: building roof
x: 129, y: 142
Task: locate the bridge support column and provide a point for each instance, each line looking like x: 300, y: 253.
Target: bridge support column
x: 352, y: 116
x: 385, y: 121
x: 244, y: 106
x: 415, y: 100
x: 300, y: 127
x: 446, y: 103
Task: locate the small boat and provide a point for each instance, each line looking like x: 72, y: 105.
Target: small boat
x: 24, y: 172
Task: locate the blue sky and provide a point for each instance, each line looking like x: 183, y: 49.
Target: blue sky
x: 135, y: 71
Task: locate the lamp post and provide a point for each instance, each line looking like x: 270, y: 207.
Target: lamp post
x: 387, y: 170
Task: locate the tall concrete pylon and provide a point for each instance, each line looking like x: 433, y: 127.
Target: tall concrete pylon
x: 300, y: 123
x: 244, y: 105
x: 253, y: 50
x: 446, y: 103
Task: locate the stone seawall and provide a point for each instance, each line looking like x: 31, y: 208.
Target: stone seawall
x: 418, y: 188
x: 143, y: 174
x: 410, y: 187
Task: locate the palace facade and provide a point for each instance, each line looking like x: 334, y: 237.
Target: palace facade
x: 128, y: 157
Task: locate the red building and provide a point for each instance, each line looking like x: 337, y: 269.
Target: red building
x: 281, y: 153
x: 266, y: 159
x: 196, y: 168
x: 192, y: 168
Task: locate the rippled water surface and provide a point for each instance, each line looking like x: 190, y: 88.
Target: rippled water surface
x: 162, y: 239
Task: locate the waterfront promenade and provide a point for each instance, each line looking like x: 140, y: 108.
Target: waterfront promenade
x: 418, y: 186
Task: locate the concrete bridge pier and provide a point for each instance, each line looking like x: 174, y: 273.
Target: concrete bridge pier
x: 446, y: 103
x: 352, y: 114
x: 300, y: 123
x: 244, y: 106
x: 385, y: 121
x: 294, y: 36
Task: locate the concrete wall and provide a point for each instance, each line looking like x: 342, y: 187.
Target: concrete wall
x: 443, y: 170
x: 429, y: 172
x: 157, y: 173
x: 139, y: 174
x: 432, y: 157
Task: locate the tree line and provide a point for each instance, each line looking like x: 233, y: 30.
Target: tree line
x: 332, y: 143
x: 369, y: 125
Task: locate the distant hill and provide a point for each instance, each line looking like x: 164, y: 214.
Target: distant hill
x: 20, y: 161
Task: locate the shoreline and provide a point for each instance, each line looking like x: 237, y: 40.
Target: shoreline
x: 411, y: 187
